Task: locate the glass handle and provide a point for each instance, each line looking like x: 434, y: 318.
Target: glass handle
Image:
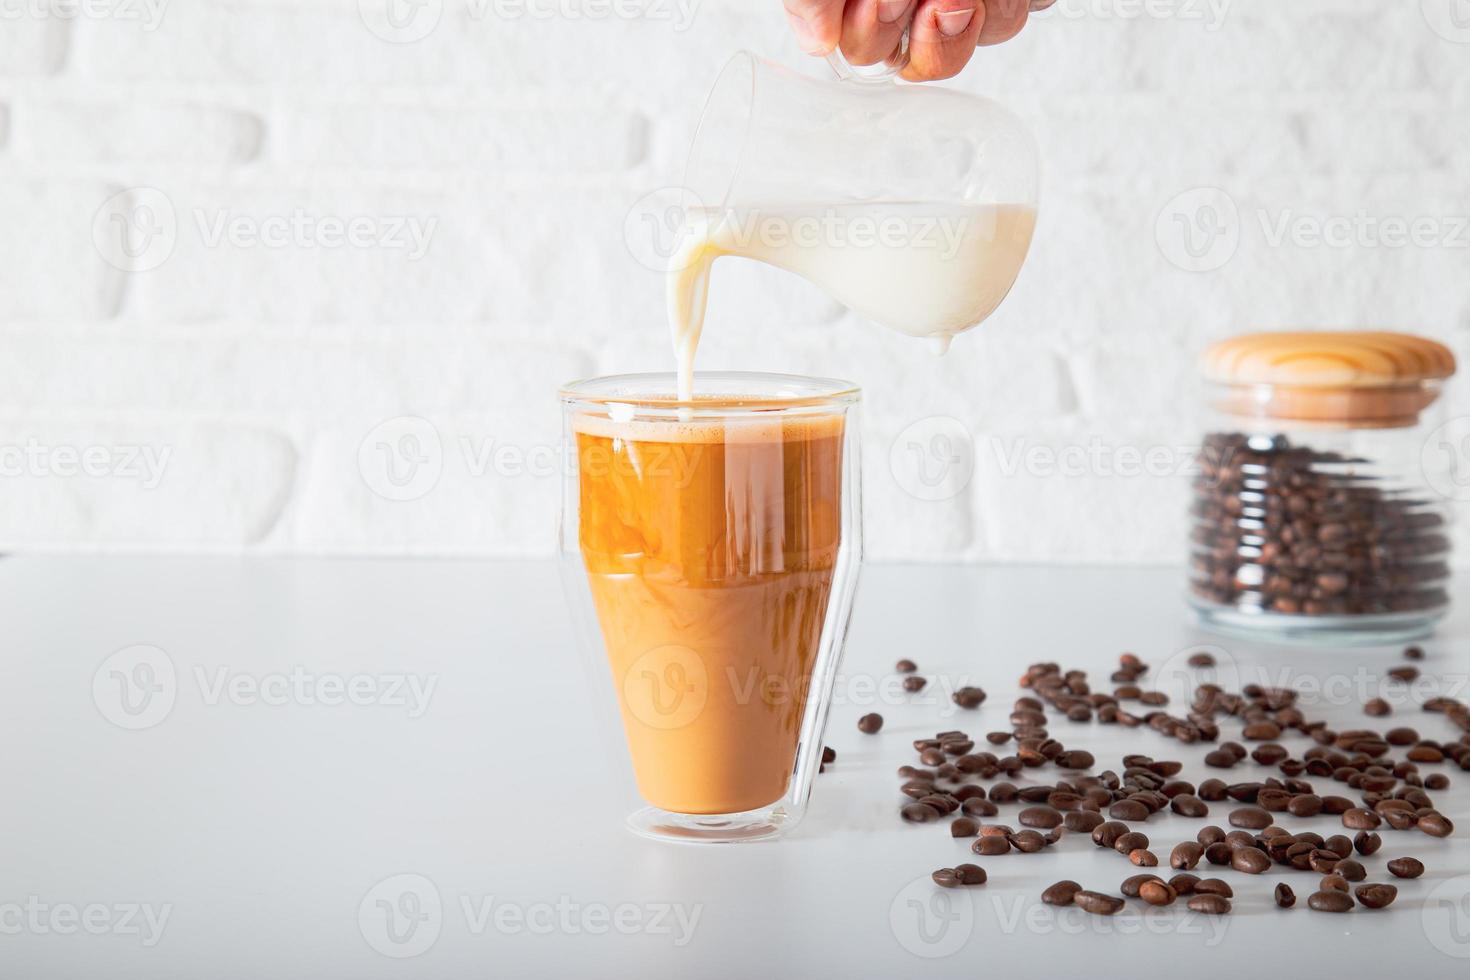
x: 883, y: 71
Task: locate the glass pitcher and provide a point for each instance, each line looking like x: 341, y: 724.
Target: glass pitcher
x: 912, y: 205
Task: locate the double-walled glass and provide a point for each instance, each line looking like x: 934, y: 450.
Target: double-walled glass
x: 1316, y: 516
x: 710, y: 550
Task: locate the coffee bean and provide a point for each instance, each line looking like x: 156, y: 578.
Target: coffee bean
x: 996, y: 830
x: 1209, y: 904
x: 991, y: 846
x: 1338, y: 844
x: 1400, y: 819
x: 1189, y: 805
x: 1214, y: 886
x: 1157, y: 893
x: 1107, y: 834
x: 1220, y: 759
x: 1202, y: 659
x: 1082, y: 821
x: 1366, y: 843
x: 828, y: 755
x: 1132, y: 885
x: 919, y: 813
x: 1183, y: 884
x: 979, y: 806
x: 1130, y: 809
x: 1097, y: 903
x: 1261, y: 731
x: 1436, y: 824
x: 1377, y: 708
x: 1251, y: 817
x: 931, y: 757
x: 1186, y: 855
x: 1406, y: 867
x: 1330, y: 901
x: 970, y: 874
x: 905, y: 666
x: 1305, y: 805
x: 1437, y: 780
x: 1240, y: 838
x: 1351, y: 870
x: 870, y: 724
x: 1040, y: 816
x: 942, y: 802
x: 1219, y: 853
x: 914, y: 683
x: 1210, y: 835
x: 1004, y: 792
x: 969, y: 697
x: 1248, y: 860
x: 1413, y: 653
x: 964, y: 827
x: 1061, y: 893
x: 1027, y: 841
x: 1333, y: 883
x: 1143, y: 858
x: 1076, y: 758
x: 1376, y: 896
x: 946, y: 878
x: 1212, y: 790
x: 1130, y: 842
x: 1285, y: 897
x: 1360, y: 819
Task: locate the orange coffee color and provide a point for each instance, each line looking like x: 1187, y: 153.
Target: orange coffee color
x: 710, y: 548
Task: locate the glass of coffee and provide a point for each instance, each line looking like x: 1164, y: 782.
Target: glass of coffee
x: 710, y: 549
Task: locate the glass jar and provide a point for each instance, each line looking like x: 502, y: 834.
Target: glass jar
x: 1314, y: 513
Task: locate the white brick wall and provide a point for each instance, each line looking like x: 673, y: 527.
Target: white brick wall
x: 251, y: 374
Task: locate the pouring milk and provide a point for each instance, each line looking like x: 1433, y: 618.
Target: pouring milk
x: 927, y: 270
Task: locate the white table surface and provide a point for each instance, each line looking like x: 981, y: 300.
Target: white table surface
x: 268, y: 832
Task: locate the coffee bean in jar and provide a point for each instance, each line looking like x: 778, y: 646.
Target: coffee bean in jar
x: 1315, y: 515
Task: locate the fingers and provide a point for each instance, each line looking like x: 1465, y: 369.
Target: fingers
x: 872, y: 29
x: 1004, y: 19
x: 943, y: 38
x: 816, y: 23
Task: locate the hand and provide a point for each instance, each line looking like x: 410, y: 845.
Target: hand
x: 943, y: 33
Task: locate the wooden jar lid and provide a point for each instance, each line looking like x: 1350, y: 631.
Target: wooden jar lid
x: 1363, y: 379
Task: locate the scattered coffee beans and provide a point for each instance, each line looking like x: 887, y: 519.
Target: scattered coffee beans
x: 970, y: 874
x: 1209, y: 904
x: 964, y: 827
x: 1330, y: 901
x: 1406, y: 867
x: 1061, y: 893
x: 946, y: 878
x: 1097, y: 903
x: 1157, y: 893
x: 1043, y: 817
x: 1376, y: 896
x: 1186, y: 855
x: 1250, y: 817
x: 1248, y: 860
x: 969, y: 697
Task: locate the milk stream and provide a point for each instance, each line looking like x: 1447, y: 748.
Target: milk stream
x: 925, y: 270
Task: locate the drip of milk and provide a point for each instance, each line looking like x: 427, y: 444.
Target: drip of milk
x: 926, y: 270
